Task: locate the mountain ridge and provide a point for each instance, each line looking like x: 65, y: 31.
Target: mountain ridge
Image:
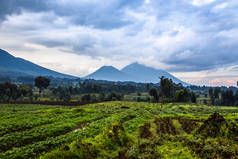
x: 14, y: 65
x: 106, y: 72
x: 133, y: 72
x: 148, y: 74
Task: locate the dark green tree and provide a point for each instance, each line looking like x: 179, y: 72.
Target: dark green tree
x: 210, y: 92
x: 211, y: 95
x: 11, y: 92
x: 42, y: 83
x: 153, y: 92
x: 236, y: 98
x: 167, y: 89
x: 216, y: 92
x: 86, y: 98
x: 193, y: 97
x: 147, y: 86
x: 228, y: 98
x: 183, y: 95
x: 95, y: 87
x: 101, y: 96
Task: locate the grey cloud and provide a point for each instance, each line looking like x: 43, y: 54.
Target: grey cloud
x: 211, y: 57
x: 100, y: 14
x: 8, y: 7
x: 101, y: 28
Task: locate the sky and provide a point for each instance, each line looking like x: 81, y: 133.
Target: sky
x: 195, y: 40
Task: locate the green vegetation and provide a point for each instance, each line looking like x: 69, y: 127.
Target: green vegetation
x: 118, y: 130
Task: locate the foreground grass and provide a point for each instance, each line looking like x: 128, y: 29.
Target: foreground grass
x: 117, y: 130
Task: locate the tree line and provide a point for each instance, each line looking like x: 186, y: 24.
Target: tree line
x: 223, y: 97
x: 169, y: 91
x: 165, y: 91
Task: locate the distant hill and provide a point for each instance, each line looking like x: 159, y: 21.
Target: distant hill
x: 109, y: 73
x: 146, y: 74
x: 13, y: 66
x: 134, y: 72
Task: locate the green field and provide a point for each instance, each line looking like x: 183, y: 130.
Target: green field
x: 118, y: 130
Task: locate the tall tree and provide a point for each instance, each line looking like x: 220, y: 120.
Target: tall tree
x: 147, y: 86
x: 193, y: 97
x: 167, y: 89
x: 211, y: 95
x: 42, y: 83
x: 228, y: 98
x: 216, y: 92
x: 153, y: 92
x: 210, y: 92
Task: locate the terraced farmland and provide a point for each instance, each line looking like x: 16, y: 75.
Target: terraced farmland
x: 118, y: 130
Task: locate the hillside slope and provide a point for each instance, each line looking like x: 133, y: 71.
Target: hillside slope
x: 109, y: 73
x: 13, y: 66
x: 148, y: 74
x: 134, y: 72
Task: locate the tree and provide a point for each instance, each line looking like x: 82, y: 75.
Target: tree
x: 179, y: 96
x: 95, y: 87
x: 236, y: 98
x: 114, y: 96
x: 25, y: 90
x: 228, y: 98
x: 11, y: 92
x: 8, y: 92
x: 193, y: 97
x: 210, y: 92
x: 147, y: 86
x: 153, y: 92
x: 183, y: 95
x: 42, y: 83
x: 101, y: 97
x: 216, y: 92
x: 167, y: 88
x: 86, y: 98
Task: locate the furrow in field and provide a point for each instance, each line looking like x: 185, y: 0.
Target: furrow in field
x: 31, y: 121
x: 35, y: 149
x: 19, y: 139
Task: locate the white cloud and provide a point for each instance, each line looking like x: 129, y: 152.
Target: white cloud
x: 202, y: 2
x: 173, y: 35
x: 147, y: 1
x: 219, y: 7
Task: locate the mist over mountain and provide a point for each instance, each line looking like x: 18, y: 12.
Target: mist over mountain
x: 13, y: 66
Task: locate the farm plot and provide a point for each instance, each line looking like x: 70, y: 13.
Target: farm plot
x: 118, y: 130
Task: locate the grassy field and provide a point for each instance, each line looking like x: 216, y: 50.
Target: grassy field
x: 118, y: 130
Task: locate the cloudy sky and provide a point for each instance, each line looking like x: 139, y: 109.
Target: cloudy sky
x: 195, y: 40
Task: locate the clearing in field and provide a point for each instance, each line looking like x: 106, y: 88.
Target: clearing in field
x: 118, y: 130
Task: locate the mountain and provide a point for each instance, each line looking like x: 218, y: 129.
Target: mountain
x: 13, y: 66
x: 109, y: 73
x: 148, y: 74
x: 134, y: 72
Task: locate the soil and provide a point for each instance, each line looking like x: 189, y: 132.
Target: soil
x: 145, y: 131
x: 188, y: 125
x: 216, y: 125
x: 165, y: 126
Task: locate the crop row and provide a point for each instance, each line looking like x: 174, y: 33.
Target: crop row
x: 19, y: 139
x: 35, y: 149
x: 28, y: 121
